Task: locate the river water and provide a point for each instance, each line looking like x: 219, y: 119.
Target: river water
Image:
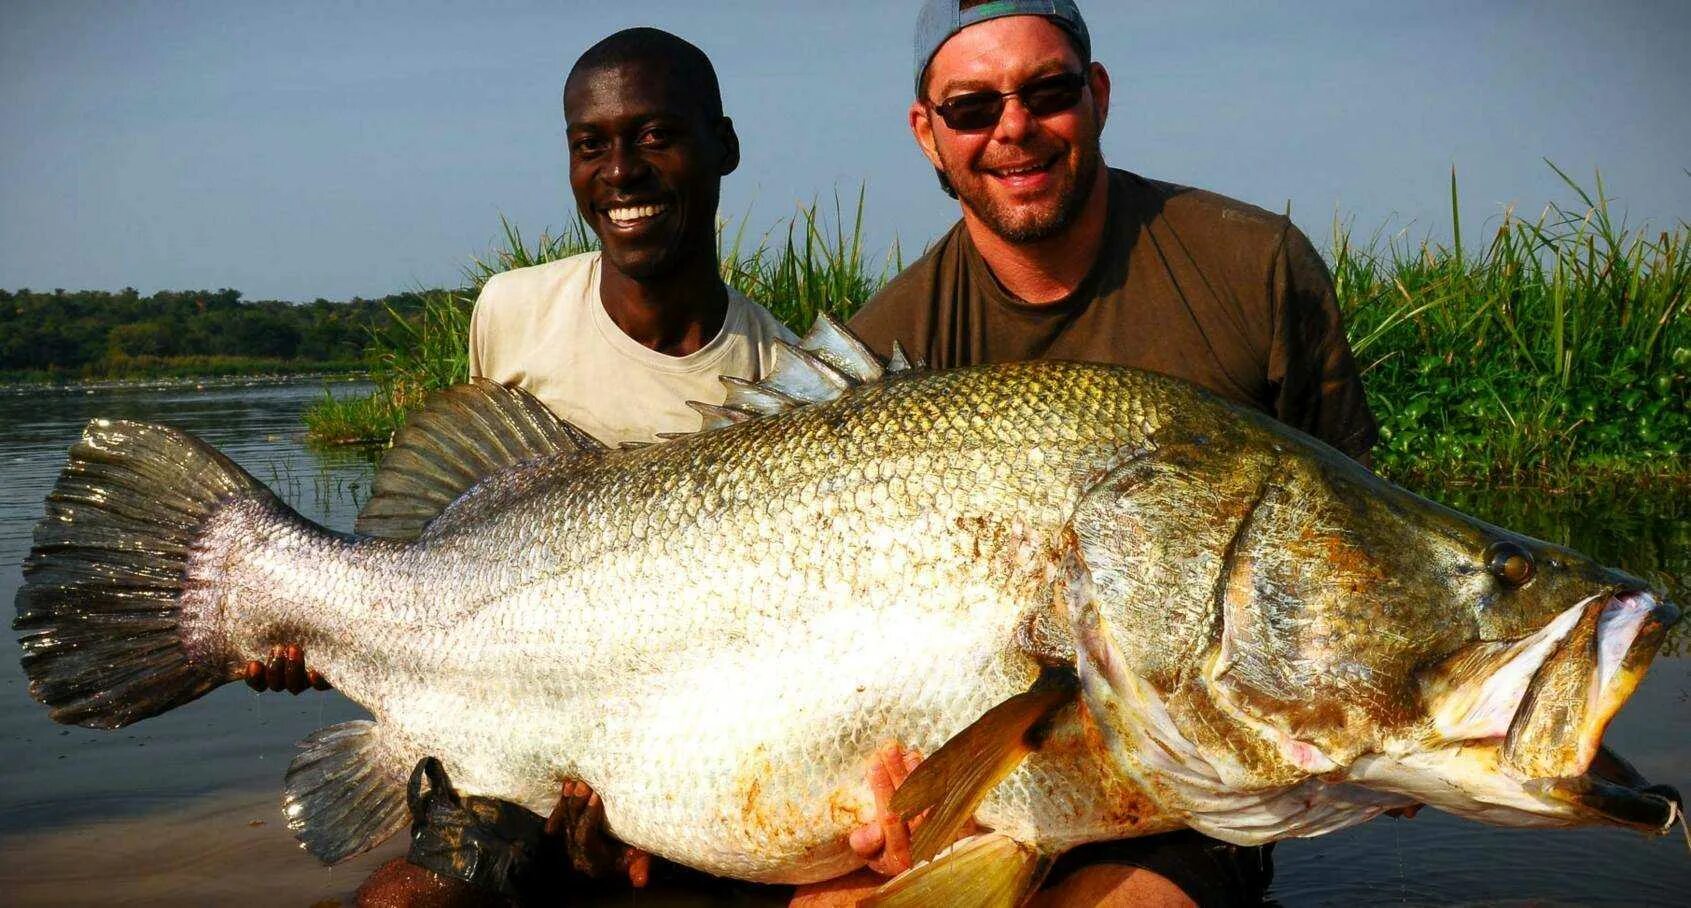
x: 184, y: 808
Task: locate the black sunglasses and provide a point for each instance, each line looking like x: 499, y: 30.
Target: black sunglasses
x: 1042, y: 97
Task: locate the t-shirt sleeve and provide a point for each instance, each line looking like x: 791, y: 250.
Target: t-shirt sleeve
x: 480, y: 317
x: 1318, y: 387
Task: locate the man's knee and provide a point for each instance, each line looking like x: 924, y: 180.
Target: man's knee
x: 1113, y: 886
x: 838, y: 893
x: 402, y: 884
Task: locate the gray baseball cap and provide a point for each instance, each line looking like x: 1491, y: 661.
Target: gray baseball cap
x: 940, y: 19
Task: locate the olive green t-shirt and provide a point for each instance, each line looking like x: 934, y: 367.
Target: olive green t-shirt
x: 1188, y: 283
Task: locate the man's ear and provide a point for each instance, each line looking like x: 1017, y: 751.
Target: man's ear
x: 922, y: 128
x: 1098, y: 79
x: 730, y: 146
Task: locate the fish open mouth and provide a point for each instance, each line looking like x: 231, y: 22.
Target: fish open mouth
x: 1554, y: 742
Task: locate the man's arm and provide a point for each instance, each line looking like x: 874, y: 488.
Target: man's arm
x: 1319, y: 388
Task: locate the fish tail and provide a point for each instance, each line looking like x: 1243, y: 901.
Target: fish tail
x: 100, y: 613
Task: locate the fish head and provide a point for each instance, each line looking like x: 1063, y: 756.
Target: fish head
x: 1515, y: 717
x: 1363, y: 635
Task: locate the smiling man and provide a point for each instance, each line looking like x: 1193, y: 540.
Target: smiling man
x: 1058, y: 256
x: 618, y: 341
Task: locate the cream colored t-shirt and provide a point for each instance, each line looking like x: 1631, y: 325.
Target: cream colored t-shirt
x: 543, y: 329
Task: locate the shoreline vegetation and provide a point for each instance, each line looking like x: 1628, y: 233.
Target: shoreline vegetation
x: 139, y: 370
x: 63, y: 338
x: 1555, y: 356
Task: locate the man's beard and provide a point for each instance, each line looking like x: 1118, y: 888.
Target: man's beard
x: 1020, y: 224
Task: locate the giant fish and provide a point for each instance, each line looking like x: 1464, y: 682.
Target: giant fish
x: 1105, y: 603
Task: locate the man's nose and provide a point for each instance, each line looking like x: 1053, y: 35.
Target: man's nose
x: 1015, y: 124
x: 625, y: 165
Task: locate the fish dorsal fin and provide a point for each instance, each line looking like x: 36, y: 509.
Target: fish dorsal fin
x: 899, y: 362
x: 832, y: 343
x: 829, y: 362
x: 462, y: 435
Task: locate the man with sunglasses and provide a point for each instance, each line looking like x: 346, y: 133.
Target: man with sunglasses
x: 1059, y: 257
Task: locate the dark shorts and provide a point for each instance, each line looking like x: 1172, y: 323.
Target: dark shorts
x: 502, y: 848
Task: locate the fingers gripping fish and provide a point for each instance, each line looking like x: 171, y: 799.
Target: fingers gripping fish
x: 1121, y: 605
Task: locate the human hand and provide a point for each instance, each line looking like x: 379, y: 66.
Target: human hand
x: 884, y: 842
x: 284, y: 671
x: 1405, y: 813
x: 594, y: 853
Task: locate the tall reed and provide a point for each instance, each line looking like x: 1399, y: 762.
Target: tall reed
x: 1561, y: 348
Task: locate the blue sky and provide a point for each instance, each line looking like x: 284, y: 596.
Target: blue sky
x: 297, y: 150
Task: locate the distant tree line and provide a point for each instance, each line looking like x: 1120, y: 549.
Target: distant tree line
x: 88, y: 331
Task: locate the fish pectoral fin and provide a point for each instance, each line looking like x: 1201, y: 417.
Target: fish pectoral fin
x: 984, y: 871
x: 345, y: 794
x: 460, y: 437
x: 957, y: 777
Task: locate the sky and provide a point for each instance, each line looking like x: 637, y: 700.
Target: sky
x: 314, y: 149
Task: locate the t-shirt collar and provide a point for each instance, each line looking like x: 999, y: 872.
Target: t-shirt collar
x: 733, y: 325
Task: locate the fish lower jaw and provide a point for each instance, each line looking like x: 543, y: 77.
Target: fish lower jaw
x: 1558, y: 729
x: 1469, y: 779
x: 1608, y: 787
x: 1593, y: 795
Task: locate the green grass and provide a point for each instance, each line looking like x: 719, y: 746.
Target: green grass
x: 1557, y: 354
x: 815, y: 264
x: 352, y: 420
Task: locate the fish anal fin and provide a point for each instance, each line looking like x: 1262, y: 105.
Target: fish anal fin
x: 345, y: 793
x: 461, y: 436
x: 984, y: 871
x: 957, y: 777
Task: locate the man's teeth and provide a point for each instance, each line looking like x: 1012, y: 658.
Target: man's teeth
x: 1018, y: 171
x: 635, y: 212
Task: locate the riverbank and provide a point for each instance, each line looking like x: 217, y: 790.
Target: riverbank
x: 144, y: 369
x: 165, y: 382
x: 1557, y: 355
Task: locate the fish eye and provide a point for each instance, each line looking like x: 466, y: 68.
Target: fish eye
x: 1510, y: 563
